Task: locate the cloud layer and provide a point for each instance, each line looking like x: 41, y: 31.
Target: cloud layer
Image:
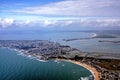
x: 97, y: 23
x: 92, y: 8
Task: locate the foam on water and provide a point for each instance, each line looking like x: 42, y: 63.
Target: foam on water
x: 84, y: 78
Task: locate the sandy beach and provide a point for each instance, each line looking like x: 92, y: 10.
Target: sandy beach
x: 91, y: 69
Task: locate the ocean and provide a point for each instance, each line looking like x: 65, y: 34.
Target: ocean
x: 16, y: 67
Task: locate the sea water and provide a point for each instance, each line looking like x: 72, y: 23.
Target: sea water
x: 18, y: 67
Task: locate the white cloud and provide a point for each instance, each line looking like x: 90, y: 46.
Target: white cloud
x: 75, y: 8
x: 6, y: 22
x: 9, y: 22
x: 49, y: 22
x: 88, y: 22
x: 69, y: 22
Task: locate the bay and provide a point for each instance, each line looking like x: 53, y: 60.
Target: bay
x: 17, y: 67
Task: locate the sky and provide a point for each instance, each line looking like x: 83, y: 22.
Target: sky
x: 78, y: 14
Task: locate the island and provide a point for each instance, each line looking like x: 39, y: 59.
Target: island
x: 103, y: 66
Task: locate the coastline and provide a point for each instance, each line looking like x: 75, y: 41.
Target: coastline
x: 97, y: 74
x: 91, y: 69
x: 94, y: 72
x: 94, y: 63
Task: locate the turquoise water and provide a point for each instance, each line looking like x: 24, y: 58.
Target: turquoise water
x: 17, y: 67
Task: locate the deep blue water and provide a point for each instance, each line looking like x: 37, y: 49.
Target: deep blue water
x: 17, y: 67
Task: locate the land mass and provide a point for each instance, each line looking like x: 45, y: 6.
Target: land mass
x: 108, y: 66
x: 109, y: 41
x: 95, y: 35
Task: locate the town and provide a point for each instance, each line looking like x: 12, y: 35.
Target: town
x: 42, y: 49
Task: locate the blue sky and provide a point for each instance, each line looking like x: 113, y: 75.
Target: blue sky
x: 7, y: 8
x: 54, y: 12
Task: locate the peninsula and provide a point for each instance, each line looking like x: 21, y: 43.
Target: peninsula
x: 95, y: 35
x: 103, y: 67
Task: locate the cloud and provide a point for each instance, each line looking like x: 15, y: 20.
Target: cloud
x: 108, y: 22
x: 56, y: 23
x: 49, y: 22
x: 75, y: 8
x: 6, y: 22
x: 9, y: 22
x: 78, y: 23
x: 64, y: 14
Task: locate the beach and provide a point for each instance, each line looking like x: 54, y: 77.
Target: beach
x: 91, y: 69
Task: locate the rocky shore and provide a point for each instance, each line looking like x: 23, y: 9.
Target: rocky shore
x: 108, y: 68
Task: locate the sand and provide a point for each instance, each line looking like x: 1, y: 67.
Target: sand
x: 91, y: 69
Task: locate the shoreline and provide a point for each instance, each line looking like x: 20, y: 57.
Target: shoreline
x: 91, y: 69
x: 97, y: 74
x: 94, y: 72
x: 49, y: 50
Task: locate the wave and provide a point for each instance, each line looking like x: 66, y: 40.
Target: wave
x: 87, y: 78
x: 21, y: 54
x: 57, y: 61
x: 84, y: 78
x: 41, y: 60
x: 30, y: 57
x: 63, y: 65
